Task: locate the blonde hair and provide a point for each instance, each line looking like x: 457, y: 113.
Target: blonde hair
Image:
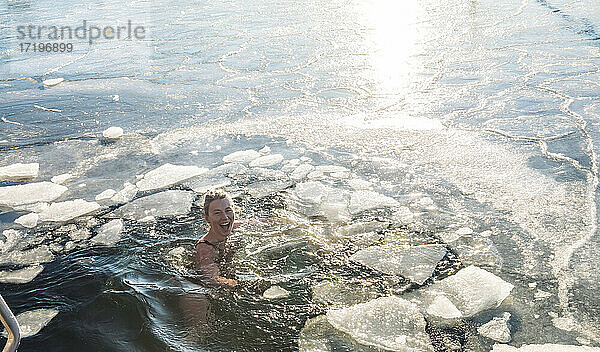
x: 214, y: 194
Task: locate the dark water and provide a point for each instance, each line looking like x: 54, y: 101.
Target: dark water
x: 468, y: 113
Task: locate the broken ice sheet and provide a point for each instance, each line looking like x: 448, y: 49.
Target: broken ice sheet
x: 39, y: 192
x: 168, y: 175
x: 31, y: 322
x: 109, y: 233
x: 366, y: 200
x: 166, y: 203
x: 68, y: 210
x: 390, y: 323
x: 35, y: 255
x: 415, y: 263
x: 21, y: 276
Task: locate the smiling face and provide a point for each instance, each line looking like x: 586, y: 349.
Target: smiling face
x: 220, y: 217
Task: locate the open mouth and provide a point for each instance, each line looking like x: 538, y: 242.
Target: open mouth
x: 225, y: 226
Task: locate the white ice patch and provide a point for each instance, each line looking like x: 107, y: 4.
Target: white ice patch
x: 68, y: 210
x: 301, y: 171
x: 341, y: 293
x: 442, y: 307
x: 112, y: 133
x: 28, y: 220
x: 390, y: 323
x: 105, y: 195
x: 29, y: 193
x: 264, y: 188
x: 415, y: 263
x: 61, y: 179
x: 125, y: 195
x: 30, y: 323
x: 366, y: 200
x: 52, y: 81
x: 242, y: 156
x: 267, y: 160
x: 544, y: 348
x: 19, y: 172
x: 109, y: 233
x: 166, y: 203
x: 202, y: 184
x: 35, y: 255
x: 21, y: 276
x: 275, y: 292
x: 472, y: 290
x: 12, y: 237
x: 168, y: 175
x: 496, y: 329
x: 397, y: 123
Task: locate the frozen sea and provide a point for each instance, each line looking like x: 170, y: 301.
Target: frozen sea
x: 469, y: 124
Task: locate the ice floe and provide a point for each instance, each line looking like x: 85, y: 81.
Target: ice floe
x: 201, y: 184
x: 264, y: 188
x: 301, y: 171
x: 544, y: 348
x: 342, y: 293
x: 166, y: 203
x: 62, y: 178
x: 28, y: 220
x: 12, y: 196
x: 265, y: 150
x: 11, y: 239
x: 109, y: 233
x: 19, y: 172
x: 106, y: 194
x: 242, y: 156
x: 125, y: 195
x: 415, y: 263
x: 52, y: 81
x: 275, y: 292
x: 21, y: 276
x: 366, y: 200
x: 497, y: 329
x: 68, y: 210
x: 471, y: 290
x: 35, y: 255
x: 267, y: 160
x: 442, y: 307
x: 168, y: 175
x: 112, y: 133
x: 31, y: 322
x: 390, y: 323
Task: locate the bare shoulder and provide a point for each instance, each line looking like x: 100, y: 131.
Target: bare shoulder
x: 204, y: 251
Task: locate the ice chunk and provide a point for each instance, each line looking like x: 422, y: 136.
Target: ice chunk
x: 442, y: 307
x: 52, y: 81
x: 68, y: 210
x: 109, y: 233
x: 310, y: 191
x: 202, y: 184
x: 34, y: 208
x: 29, y: 193
x: 545, y: 348
x: 21, y: 276
x: 342, y: 294
x: 267, y: 160
x: 464, y: 231
x: 301, y: 172
x: 168, y: 175
x: 264, y: 188
x: 61, y: 179
x: 19, y: 172
x: 266, y: 150
x: 31, y: 322
x: 107, y: 194
x: 328, y: 169
x: 112, y: 133
x: 36, y: 255
x: 365, y: 200
x: 267, y: 174
x: 390, y: 323
x: 415, y: 263
x: 275, y: 292
x: 12, y: 237
x: 497, y: 329
x: 242, y: 156
x: 125, y: 195
x: 166, y: 203
x: 472, y: 290
x: 28, y: 220
x: 359, y: 184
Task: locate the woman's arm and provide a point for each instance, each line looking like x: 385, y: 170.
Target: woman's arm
x: 205, y: 261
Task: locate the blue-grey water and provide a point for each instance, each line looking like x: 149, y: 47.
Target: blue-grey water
x: 470, y: 113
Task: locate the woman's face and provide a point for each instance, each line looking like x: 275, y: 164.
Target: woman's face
x: 220, y: 217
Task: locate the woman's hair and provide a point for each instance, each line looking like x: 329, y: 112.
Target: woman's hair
x: 214, y: 194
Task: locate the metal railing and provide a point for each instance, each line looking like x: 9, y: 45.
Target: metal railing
x: 12, y: 327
